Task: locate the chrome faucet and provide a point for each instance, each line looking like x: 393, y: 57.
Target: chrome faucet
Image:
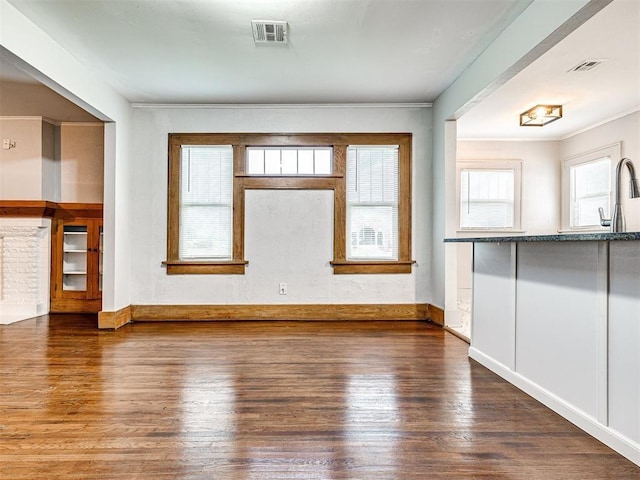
x: 617, y: 218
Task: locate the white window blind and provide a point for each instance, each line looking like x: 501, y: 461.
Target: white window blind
x: 372, y: 203
x: 487, y: 198
x: 590, y: 188
x: 206, y: 202
x: 289, y: 161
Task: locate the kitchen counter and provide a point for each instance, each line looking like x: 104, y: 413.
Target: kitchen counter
x: 558, y: 316
x: 559, y: 237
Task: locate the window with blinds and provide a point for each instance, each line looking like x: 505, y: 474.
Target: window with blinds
x: 487, y: 198
x: 206, y: 202
x: 372, y: 202
x: 368, y: 173
x: 590, y: 189
x: 586, y: 186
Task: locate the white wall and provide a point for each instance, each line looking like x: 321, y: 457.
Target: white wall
x: 64, y: 163
x: 50, y: 162
x: 21, y: 167
x: 33, y: 99
x: 542, y: 25
x: 282, y: 242
x: 540, y: 209
x: 464, y: 265
x: 24, y: 43
x: 625, y: 130
x: 82, y: 162
x: 540, y: 212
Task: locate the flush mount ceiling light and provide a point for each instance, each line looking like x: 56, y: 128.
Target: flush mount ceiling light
x: 540, y: 115
x: 269, y: 31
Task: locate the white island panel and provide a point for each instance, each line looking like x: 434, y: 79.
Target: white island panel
x: 624, y: 339
x: 494, y: 289
x: 575, y: 331
x: 557, y: 320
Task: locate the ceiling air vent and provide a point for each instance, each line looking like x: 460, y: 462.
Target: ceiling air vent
x: 587, y: 65
x: 269, y: 31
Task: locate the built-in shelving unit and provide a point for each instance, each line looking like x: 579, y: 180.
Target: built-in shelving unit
x: 74, y: 264
x: 77, y: 253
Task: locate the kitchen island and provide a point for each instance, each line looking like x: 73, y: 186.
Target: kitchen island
x: 558, y: 316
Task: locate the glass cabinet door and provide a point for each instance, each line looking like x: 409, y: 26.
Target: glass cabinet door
x: 76, y: 260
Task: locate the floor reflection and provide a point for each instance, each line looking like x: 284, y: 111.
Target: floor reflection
x: 372, y: 414
x: 271, y: 400
x: 208, y: 406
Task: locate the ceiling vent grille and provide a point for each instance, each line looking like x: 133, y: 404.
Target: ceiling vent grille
x: 587, y: 65
x: 269, y: 31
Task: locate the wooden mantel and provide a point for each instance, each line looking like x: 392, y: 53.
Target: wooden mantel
x: 46, y: 209
x: 27, y: 208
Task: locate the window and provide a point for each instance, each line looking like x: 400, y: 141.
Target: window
x: 489, y: 194
x: 372, y: 202
x: 209, y: 174
x: 589, y: 189
x: 289, y: 161
x: 586, y: 185
x: 206, y: 202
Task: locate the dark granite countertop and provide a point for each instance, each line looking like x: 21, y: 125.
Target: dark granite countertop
x: 559, y: 237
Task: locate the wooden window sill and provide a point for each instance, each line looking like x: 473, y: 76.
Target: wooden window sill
x: 182, y: 267
x: 371, y: 267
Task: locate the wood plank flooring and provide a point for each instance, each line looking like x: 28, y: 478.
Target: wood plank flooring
x: 278, y: 400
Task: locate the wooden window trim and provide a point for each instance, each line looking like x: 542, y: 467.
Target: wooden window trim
x: 349, y: 267
x: 404, y: 263
x: 223, y: 267
x: 336, y: 182
x: 174, y: 264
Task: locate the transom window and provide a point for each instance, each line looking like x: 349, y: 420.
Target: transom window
x: 289, y: 161
x: 370, y: 175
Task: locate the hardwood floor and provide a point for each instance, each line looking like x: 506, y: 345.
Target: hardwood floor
x: 279, y: 400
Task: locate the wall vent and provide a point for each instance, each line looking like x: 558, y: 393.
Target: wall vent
x: 587, y: 65
x: 269, y: 31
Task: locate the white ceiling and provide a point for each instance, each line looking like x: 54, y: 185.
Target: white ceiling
x: 344, y: 51
x: 10, y: 73
x: 339, y: 51
x: 589, y: 98
x: 23, y: 96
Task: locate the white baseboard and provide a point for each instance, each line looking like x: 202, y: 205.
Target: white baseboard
x: 11, y: 313
x: 621, y: 444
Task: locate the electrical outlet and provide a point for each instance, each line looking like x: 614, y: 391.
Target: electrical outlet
x: 283, y: 289
x: 8, y: 143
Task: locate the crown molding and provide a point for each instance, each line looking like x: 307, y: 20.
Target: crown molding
x: 282, y: 106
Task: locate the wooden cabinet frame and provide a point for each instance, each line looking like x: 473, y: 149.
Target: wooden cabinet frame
x: 89, y: 300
